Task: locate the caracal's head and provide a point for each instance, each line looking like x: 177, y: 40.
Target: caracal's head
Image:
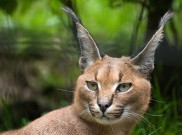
x: 113, y: 90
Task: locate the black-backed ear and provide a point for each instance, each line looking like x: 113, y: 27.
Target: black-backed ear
x: 144, y: 60
x: 89, y: 50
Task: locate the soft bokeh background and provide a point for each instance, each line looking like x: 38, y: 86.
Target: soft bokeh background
x: 39, y: 56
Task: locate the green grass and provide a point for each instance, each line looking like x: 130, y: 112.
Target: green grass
x: 162, y: 118
x: 9, y: 118
x: 159, y: 121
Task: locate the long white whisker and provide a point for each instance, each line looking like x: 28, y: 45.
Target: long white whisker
x: 145, y: 120
x: 155, y: 115
x: 64, y: 90
x: 139, y: 123
x: 157, y: 101
x: 154, y: 131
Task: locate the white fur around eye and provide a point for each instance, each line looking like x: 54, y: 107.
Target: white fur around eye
x: 86, y: 87
x: 127, y: 90
x: 117, y: 84
x: 99, y: 86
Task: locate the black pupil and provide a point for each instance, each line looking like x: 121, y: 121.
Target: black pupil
x: 93, y: 84
x: 123, y: 85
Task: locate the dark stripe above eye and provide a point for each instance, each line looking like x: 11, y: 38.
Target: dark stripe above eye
x: 109, y: 69
x: 120, y: 77
x: 96, y: 73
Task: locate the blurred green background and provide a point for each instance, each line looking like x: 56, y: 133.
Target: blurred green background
x: 39, y: 56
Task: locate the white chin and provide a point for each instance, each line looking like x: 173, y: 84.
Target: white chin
x: 107, y: 121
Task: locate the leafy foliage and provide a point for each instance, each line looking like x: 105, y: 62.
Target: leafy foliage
x: 39, y: 53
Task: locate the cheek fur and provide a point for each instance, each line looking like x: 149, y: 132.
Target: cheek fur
x: 86, y: 95
x: 138, y: 97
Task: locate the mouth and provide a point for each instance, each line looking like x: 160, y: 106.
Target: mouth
x: 107, y: 116
x: 115, y: 117
x: 104, y: 117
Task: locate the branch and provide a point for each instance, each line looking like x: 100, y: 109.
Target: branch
x: 135, y: 31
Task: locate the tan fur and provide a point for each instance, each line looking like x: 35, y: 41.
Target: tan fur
x: 77, y: 120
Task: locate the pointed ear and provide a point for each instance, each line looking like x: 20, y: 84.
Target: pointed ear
x: 144, y: 60
x: 89, y: 50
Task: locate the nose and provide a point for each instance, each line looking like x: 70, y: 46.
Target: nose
x: 104, y: 104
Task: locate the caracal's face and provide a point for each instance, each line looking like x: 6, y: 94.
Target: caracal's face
x: 110, y: 92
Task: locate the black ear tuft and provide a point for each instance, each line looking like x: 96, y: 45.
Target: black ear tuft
x: 89, y: 49
x: 168, y: 15
x: 144, y: 60
x: 71, y: 13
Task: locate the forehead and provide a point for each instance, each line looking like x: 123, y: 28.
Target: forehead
x: 110, y: 69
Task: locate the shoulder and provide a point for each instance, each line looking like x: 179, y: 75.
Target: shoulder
x: 51, y: 123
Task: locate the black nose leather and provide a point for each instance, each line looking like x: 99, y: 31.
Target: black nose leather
x: 104, y: 105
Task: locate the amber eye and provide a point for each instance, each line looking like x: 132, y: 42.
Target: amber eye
x: 92, y: 85
x: 123, y: 87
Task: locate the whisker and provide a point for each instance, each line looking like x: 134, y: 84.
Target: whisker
x: 154, y: 131
x: 139, y: 124
x: 133, y: 116
x: 155, y: 115
x: 145, y: 119
x: 157, y: 100
x: 64, y: 90
x: 138, y: 117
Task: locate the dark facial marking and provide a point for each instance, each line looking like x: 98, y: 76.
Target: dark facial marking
x: 109, y: 69
x: 120, y: 77
x: 96, y: 73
